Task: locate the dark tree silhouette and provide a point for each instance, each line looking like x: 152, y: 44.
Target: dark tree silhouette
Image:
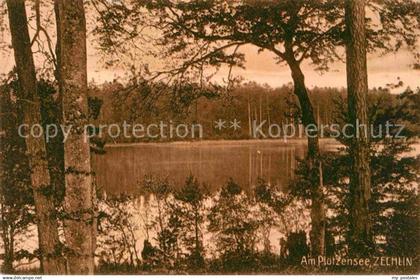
x: 79, y: 199
x: 49, y: 243
x: 357, y: 87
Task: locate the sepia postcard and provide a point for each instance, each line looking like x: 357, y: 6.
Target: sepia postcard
x: 209, y: 137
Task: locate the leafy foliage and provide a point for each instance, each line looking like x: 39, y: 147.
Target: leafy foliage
x: 16, y: 200
x: 209, y: 33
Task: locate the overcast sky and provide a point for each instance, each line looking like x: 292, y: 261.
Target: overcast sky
x: 261, y: 67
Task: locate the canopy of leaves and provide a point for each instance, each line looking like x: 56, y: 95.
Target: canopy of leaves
x: 209, y: 32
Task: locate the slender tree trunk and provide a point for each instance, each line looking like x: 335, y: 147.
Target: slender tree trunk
x: 7, y: 266
x: 308, y: 120
x: 255, y: 114
x: 197, y: 241
x: 249, y: 117
x: 318, y: 118
x: 79, y: 199
x: 268, y: 109
x: 357, y: 84
x: 12, y: 245
x: 51, y: 113
x: 49, y: 243
x: 308, y: 116
x: 261, y: 113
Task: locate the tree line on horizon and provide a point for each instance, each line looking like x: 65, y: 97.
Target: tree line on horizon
x: 247, y: 102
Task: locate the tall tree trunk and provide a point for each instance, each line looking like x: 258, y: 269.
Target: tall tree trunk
x: 79, y: 199
x: 49, y: 243
x: 357, y: 84
x: 268, y: 109
x: 308, y: 119
x: 249, y: 117
x: 7, y: 239
x: 54, y: 114
x: 261, y: 113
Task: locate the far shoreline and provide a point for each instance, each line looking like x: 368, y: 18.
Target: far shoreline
x: 332, y: 143
x: 221, y: 141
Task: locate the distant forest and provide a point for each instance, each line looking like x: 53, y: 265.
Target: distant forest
x: 246, y: 102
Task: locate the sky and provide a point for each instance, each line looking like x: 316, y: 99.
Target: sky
x: 261, y: 68
x: 381, y: 70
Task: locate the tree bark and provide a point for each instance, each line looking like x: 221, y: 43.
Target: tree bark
x: 8, y: 240
x: 79, y: 199
x: 49, y: 243
x: 318, y: 223
x: 249, y: 117
x: 357, y: 84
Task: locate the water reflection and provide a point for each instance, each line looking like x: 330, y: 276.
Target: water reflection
x: 123, y: 167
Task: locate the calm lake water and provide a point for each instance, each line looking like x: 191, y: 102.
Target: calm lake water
x: 123, y: 167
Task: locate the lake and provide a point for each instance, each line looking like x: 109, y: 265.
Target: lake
x: 123, y: 167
